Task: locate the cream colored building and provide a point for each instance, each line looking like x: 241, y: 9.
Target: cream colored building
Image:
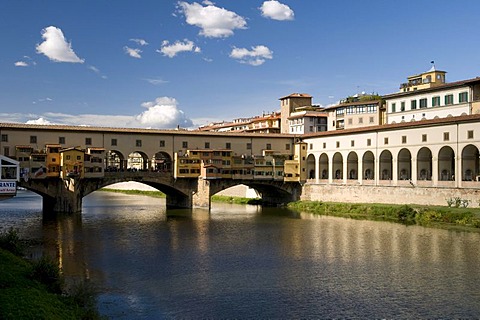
x: 289, y: 104
x: 357, y: 114
x: 432, y: 153
x: 428, y: 96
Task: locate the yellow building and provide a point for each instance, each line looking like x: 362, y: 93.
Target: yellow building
x: 72, y: 163
x: 93, y: 163
x: 53, y: 159
x: 425, y: 80
x: 295, y: 170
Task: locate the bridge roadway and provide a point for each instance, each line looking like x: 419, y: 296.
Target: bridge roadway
x: 65, y: 195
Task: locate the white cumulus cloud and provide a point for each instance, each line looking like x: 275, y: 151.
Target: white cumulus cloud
x: 134, y: 53
x: 21, y: 64
x: 277, y: 11
x: 255, y: 57
x: 141, y: 42
x: 213, y: 21
x: 163, y: 113
x: 40, y: 120
x: 171, y: 50
x: 55, y: 47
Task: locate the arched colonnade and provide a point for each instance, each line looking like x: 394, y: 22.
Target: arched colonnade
x: 415, y: 166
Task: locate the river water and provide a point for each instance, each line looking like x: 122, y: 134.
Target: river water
x: 247, y: 262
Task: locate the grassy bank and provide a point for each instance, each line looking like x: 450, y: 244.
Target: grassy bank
x: 467, y: 219
x: 158, y: 194
x: 33, y: 290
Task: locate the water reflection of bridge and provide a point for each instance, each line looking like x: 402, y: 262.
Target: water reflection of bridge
x: 65, y: 195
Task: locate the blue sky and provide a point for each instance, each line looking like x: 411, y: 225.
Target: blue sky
x: 164, y: 63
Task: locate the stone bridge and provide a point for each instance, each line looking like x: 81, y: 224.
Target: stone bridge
x: 65, y: 195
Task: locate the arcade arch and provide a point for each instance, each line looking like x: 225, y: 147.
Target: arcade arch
x: 311, y: 166
x: 115, y: 161
x: 368, y: 164
x: 424, y: 164
x: 337, y: 166
x: 137, y: 160
x: 323, y: 167
x: 386, y: 165
x: 446, y: 164
x: 404, y: 161
x: 470, y: 163
x: 162, y: 162
x: 352, y: 165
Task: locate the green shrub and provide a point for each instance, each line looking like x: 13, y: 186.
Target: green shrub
x: 10, y: 241
x: 47, y: 272
x: 406, y: 213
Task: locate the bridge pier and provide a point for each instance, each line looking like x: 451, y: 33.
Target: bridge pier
x: 202, y: 197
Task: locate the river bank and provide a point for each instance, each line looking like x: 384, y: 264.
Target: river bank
x: 453, y: 218
x: 36, y: 290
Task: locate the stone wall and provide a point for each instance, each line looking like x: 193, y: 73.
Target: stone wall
x: 388, y: 194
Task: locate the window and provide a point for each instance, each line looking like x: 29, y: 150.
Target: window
x: 33, y: 139
x: 350, y: 121
x: 423, y: 103
x: 138, y: 143
x: 207, y: 145
x: 61, y: 140
x: 6, y: 151
x: 394, y: 106
x: 424, y: 138
x: 68, y: 157
x: 324, y: 145
x: 228, y: 145
x: 311, y: 146
x: 385, y: 140
x: 338, y: 144
x: 372, y: 120
x: 402, y: 106
x: 449, y: 99
x: 446, y: 136
x: 470, y: 134
x: 404, y: 139
x: 184, y: 144
x: 340, y: 111
x: 369, y: 142
x: 4, y: 137
x: 249, y: 146
x: 287, y: 146
x: 360, y: 120
x: 88, y: 141
x: 462, y: 97
x: 413, y: 104
x: 162, y: 143
x: 352, y: 143
x: 113, y: 142
x: 269, y: 146
x: 79, y: 158
x: 435, y: 101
